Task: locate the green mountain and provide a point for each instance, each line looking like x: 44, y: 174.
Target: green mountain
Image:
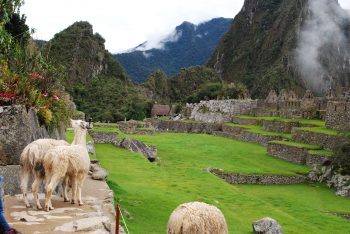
x: 188, y: 45
x: 96, y: 81
x: 191, y: 84
x: 275, y: 44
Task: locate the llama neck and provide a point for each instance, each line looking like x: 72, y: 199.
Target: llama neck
x: 79, y: 137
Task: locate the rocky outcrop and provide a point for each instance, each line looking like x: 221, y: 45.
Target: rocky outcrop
x: 18, y: 127
x: 233, y: 178
x: 150, y: 152
x: 267, y: 226
x: 11, y: 179
x: 97, y: 172
x: 326, y: 173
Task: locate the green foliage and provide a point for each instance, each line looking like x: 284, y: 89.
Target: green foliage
x: 207, y: 91
x: 341, y: 159
x: 18, y: 29
x: 261, y: 55
x: 27, y: 77
x: 96, y: 81
x: 182, y: 177
x: 190, y: 79
x: 157, y: 85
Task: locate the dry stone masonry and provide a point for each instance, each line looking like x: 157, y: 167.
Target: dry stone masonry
x: 103, y: 137
x: 219, y: 111
x: 233, y: 178
x: 185, y: 126
x: 327, y: 141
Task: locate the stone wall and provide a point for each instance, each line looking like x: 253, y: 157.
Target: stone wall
x: 103, y: 137
x: 279, y: 126
x: 233, y: 178
x: 338, y: 115
x: 11, y: 179
x: 184, y: 127
x: 243, y: 121
x: 17, y: 129
x: 219, y: 111
x: 128, y: 127
x: 316, y: 159
x: 289, y: 153
x: 242, y: 134
x: 327, y: 141
x: 295, y: 154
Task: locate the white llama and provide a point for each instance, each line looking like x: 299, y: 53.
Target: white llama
x: 31, y: 163
x: 63, y: 162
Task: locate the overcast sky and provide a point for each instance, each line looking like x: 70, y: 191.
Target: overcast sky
x: 126, y: 23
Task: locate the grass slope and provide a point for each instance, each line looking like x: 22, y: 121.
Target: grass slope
x: 315, y: 122
x: 150, y: 192
x: 259, y: 130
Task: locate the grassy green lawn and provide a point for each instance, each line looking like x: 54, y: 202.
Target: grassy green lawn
x: 149, y: 192
x: 260, y: 130
x: 315, y: 122
x: 298, y: 144
x: 322, y: 152
x: 322, y: 130
x: 106, y: 129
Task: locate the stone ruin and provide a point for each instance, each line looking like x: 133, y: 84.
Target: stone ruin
x: 288, y: 104
x: 333, y: 108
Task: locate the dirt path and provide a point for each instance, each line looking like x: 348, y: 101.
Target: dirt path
x: 96, y: 216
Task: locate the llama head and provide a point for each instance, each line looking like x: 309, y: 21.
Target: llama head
x: 81, y: 124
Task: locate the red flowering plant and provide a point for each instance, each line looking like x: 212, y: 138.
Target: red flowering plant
x: 27, y: 78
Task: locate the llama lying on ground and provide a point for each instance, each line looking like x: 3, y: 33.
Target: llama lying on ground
x: 63, y: 162
x: 31, y: 163
x: 197, y: 218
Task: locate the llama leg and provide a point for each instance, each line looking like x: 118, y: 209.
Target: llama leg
x: 50, y: 185
x: 65, y: 185
x: 35, y: 190
x: 24, y: 185
x: 73, y: 182
x: 81, y: 179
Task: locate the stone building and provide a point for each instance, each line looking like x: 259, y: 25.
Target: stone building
x: 338, y: 112
x: 162, y: 110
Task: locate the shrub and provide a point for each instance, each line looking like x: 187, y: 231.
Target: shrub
x: 341, y: 159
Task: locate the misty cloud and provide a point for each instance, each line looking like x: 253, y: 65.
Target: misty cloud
x: 323, y: 46
x: 159, y: 43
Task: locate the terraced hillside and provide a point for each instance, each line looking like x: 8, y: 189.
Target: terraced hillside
x: 150, y: 191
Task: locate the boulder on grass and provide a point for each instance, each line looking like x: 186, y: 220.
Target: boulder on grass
x: 97, y: 172
x: 150, y: 152
x: 267, y: 226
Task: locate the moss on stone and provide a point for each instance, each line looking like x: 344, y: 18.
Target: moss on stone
x: 298, y: 144
x: 321, y: 152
